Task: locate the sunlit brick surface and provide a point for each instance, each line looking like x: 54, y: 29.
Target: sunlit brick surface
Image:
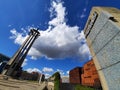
x: 75, y: 75
x: 90, y: 76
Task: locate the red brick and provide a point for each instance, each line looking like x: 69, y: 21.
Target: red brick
x: 75, y: 75
x: 90, y: 76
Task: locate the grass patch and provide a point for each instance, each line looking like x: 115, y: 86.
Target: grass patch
x: 79, y: 87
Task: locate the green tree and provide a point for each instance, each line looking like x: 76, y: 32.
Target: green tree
x: 56, y: 80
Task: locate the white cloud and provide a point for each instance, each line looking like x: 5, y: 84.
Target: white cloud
x: 24, y: 63
x: 30, y: 70
x: 33, y: 58
x: 47, y: 69
x: 83, y: 13
x: 9, y: 25
x: 19, y: 38
x: 84, y: 52
x: 68, y: 72
x: 59, y: 10
x: 84, y: 9
x: 61, y: 72
x: 47, y: 75
x: 59, y: 40
x: 34, y: 53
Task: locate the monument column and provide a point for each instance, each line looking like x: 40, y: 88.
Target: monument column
x: 16, y: 61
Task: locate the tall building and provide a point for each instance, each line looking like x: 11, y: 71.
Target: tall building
x: 3, y: 61
x: 102, y: 32
x: 90, y: 75
x: 75, y: 75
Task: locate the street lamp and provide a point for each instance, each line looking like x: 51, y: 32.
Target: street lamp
x: 40, y: 78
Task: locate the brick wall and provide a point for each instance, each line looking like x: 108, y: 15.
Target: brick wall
x: 86, y: 75
x: 75, y: 75
x: 90, y: 76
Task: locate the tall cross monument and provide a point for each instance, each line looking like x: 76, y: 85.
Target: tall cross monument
x: 14, y: 65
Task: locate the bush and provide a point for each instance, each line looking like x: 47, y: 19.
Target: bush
x: 56, y: 80
x: 56, y: 84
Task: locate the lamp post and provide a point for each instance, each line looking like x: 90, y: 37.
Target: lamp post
x: 40, y: 78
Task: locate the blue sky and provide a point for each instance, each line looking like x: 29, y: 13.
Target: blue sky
x: 61, y: 45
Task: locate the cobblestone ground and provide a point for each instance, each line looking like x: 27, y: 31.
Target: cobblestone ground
x: 20, y: 85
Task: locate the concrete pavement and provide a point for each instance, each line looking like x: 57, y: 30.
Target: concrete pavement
x: 20, y: 85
